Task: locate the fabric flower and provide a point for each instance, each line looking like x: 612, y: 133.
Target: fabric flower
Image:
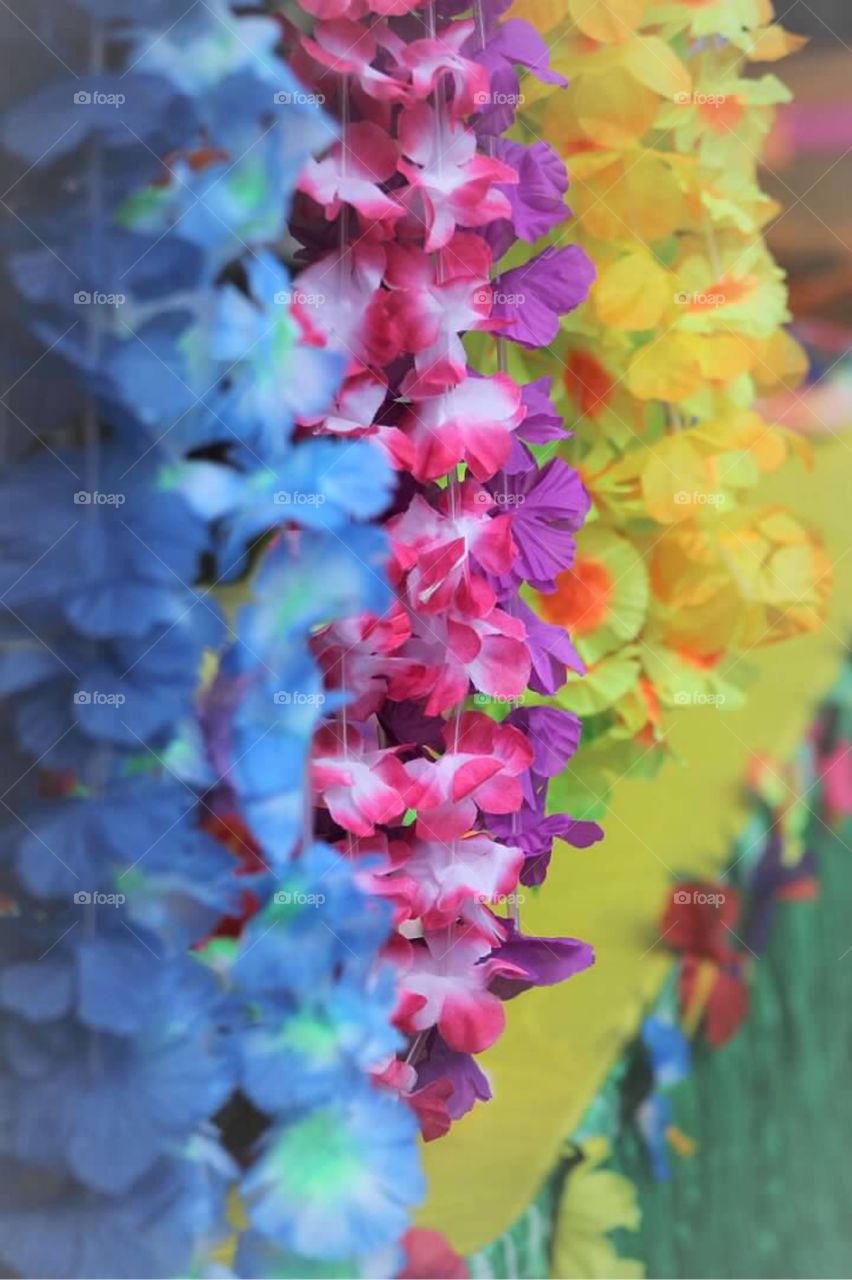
x: 530, y: 299
x: 338, y: 1181
x: 450, y: 184
x: 471, y: 423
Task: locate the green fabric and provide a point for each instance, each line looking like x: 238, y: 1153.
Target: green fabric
x: 522, y: 1252
x: 769, y: 1190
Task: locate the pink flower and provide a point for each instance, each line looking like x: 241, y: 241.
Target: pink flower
x: 359, y: 786
x: 352, y: 414
x: 470, y: 423
x: 445, y: 655
x: 336, y: 300
x: 429, y: 60
x: 433, y: 546
x: 357, y: 8
x: 351, y: 173
x: 348, y: 48
x: 439, y: 881
x: 354, y: 654
x: 450, y: 183
x: 432, y: 303
x: 447, y: 975
x: 480, y: 767
x: 429, y: 1103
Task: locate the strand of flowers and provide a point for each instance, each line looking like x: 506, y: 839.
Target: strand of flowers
x: 677, y: 577
x: 401, y: 222
x: 144, y: 187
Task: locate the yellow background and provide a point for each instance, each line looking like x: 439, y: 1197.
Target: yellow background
x: 560, y: 1041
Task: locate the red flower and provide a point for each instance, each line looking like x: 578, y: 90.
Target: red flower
x: 699, y: 922
x: 429, y: 1257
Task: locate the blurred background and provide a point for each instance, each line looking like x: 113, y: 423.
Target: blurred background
x: 809, y: 171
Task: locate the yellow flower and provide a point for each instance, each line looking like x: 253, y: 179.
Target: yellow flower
x: 594, y: 1202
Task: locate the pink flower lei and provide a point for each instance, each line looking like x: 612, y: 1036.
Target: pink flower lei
x: 423, y: 776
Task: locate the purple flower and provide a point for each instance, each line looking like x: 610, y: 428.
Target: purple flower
x: 547, y: 507
x: 545, y: 961
x: 543, y: 422
x: 551, y: 652
x: 470, y: 1084
x: 554, y: 736
x: 529, y: 831
x: 514, y: 42
x: 538, y: 199
x: 773, y: 878
x: 531, y: 298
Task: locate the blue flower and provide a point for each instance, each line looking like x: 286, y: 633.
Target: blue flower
x: 342, y: 1180
x: 161, y: 329
x: 315, y: 1051
x: 104, y: 1108
x: 52, y: 1226
x: 272, y: 376
x: 316, y: 923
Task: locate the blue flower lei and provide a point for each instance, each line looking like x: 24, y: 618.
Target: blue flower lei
x: 154, y: 374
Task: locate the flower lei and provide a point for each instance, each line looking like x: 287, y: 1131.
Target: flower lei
x: 422, y: 779
x: 144, y: 1045
x: 676, y: 577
